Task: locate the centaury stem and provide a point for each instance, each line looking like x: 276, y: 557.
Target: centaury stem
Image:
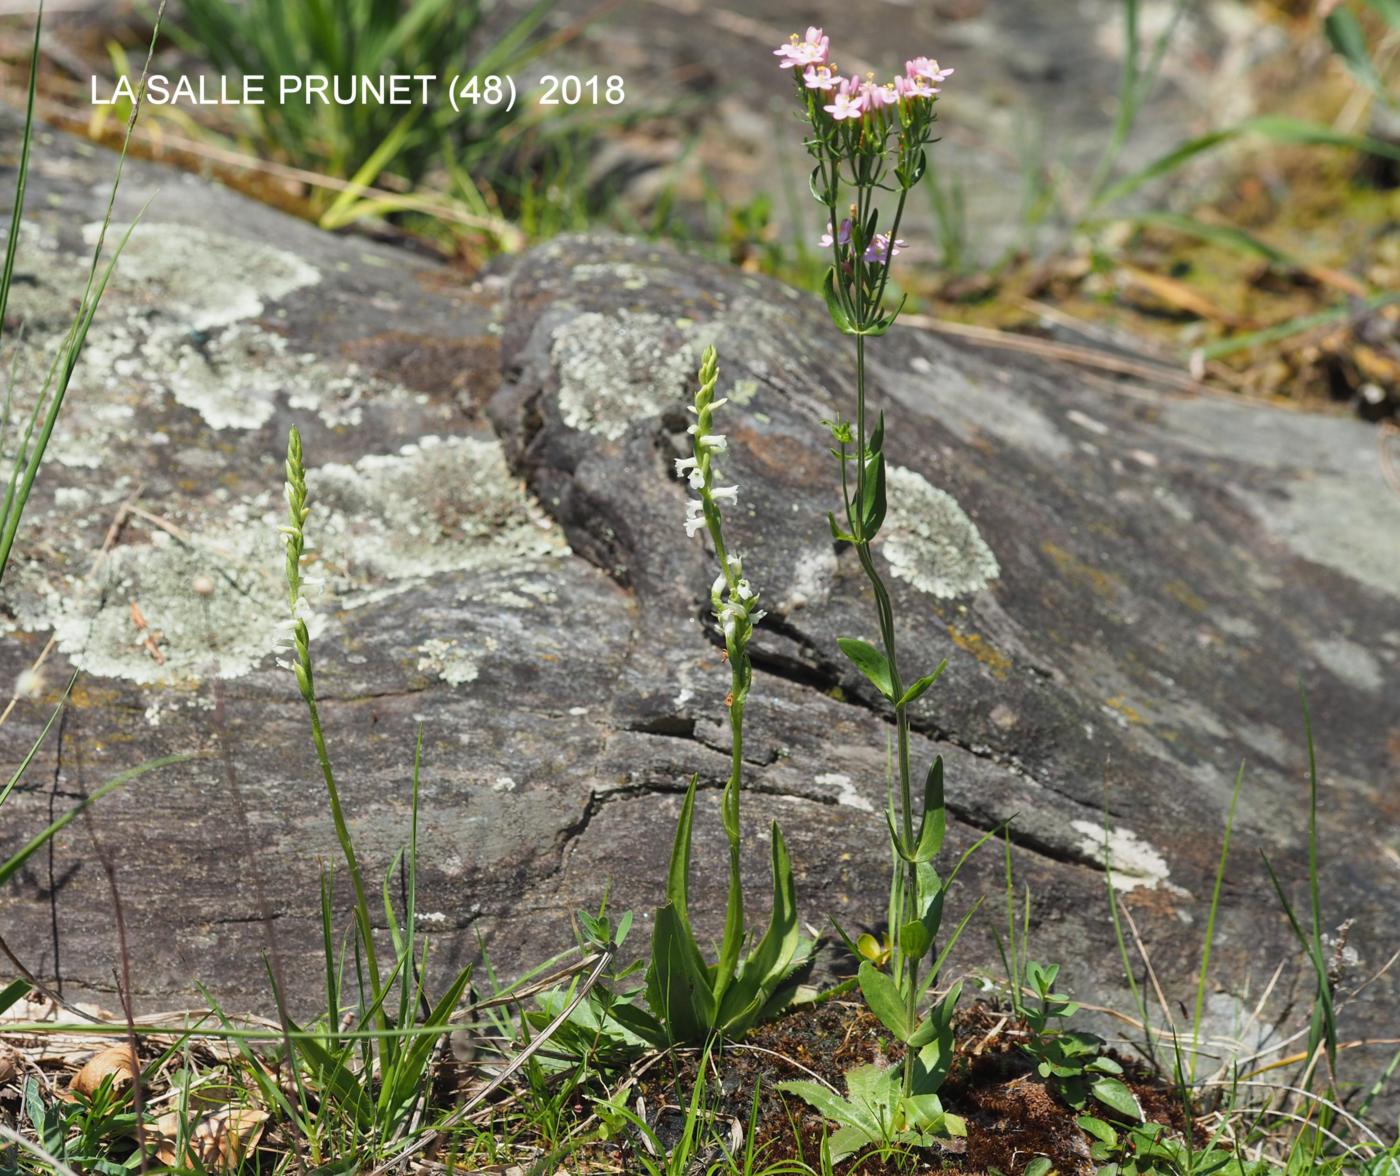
x: 908, y: 965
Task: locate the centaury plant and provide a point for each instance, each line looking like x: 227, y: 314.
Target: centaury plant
x: 692, y: 1001
x: 868, y: 139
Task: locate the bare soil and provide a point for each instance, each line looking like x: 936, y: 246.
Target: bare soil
x: 1012, y: 1116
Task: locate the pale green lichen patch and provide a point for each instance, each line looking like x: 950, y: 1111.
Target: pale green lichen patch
x: 440, y: 504
x: 379, y: 527
x: 622, y: 273
x: 1132, y: 862
x: 930, y: 542
x: 139, y: 617
x: 173, y: 323
x: 615, y: 370
x: 198, y: 278
x: 448, y: 660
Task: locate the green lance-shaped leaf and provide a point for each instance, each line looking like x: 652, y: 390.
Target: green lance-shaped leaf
x: 872, y: 505
x: 678, y: 873
x: 732, y: 942
x: 1348, y: 39
x: 1116, y: 1096
x: 933, y: 823
x: 835, y: 304
x: 882, y: 995
x: 922, y: 684
x: 869, y: 661
x: 678, y: 984
x: 772, y: 959
x: 837, y: 533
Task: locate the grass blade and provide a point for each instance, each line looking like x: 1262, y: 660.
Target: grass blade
x: 1210, y: 922
x: 39, y: 840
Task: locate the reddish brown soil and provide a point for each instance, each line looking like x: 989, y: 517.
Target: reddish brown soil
x: 1012, y: 1117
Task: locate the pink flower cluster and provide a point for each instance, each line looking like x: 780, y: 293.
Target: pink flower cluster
x: 879, y: 251
x: 853, y: 97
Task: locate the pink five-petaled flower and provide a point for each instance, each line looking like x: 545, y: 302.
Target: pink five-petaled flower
x: 914, y: 88
x: 926, y: 67
x: 851, y: 100
x: 810, y: 51
x: 843, y: 236
x: 882, y: 249
x: 819, y: 77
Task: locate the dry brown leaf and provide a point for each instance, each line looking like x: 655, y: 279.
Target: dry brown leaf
x: 218, y: 1141
x: 117, y: 1061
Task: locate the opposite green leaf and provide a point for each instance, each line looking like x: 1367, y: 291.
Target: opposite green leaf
x: 922, y: 684
x: 869, y: 661
x: 934, y: 821
x: 883, y: 996
x: 1117, y: 1097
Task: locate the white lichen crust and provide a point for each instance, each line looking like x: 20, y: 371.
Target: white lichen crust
x: 929, y: 541
x: 615, y: 370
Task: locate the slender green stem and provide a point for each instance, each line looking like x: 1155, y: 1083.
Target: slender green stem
x: 907, y: 966
x: 347, y: 846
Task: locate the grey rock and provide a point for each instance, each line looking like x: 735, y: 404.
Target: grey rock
x: 1127, y: 585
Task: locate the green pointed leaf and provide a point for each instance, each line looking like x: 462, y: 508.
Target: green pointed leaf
x: 772, y: 960
x: 821, y: 1099
x: 678, y: 873
x: 869, y: 661
x: 13, y: 993
x: 640, y: 1022
x: 883, y: 996
x: 678, y: 984
x: 836, y: 532
x: 39, y: 840
x: 732, y: 942
x: 834, y: 305
x: 1348, y: 40
x: 934, y: 821
x: 1100, y: 1130
x: 1117, y: 1097
x: 332, y: 1075
x: 872, y: 507
x: 923, y: 684
x: 1040, y: 1166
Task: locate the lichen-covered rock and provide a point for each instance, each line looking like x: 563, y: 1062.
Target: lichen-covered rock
x: 1127, y: 586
